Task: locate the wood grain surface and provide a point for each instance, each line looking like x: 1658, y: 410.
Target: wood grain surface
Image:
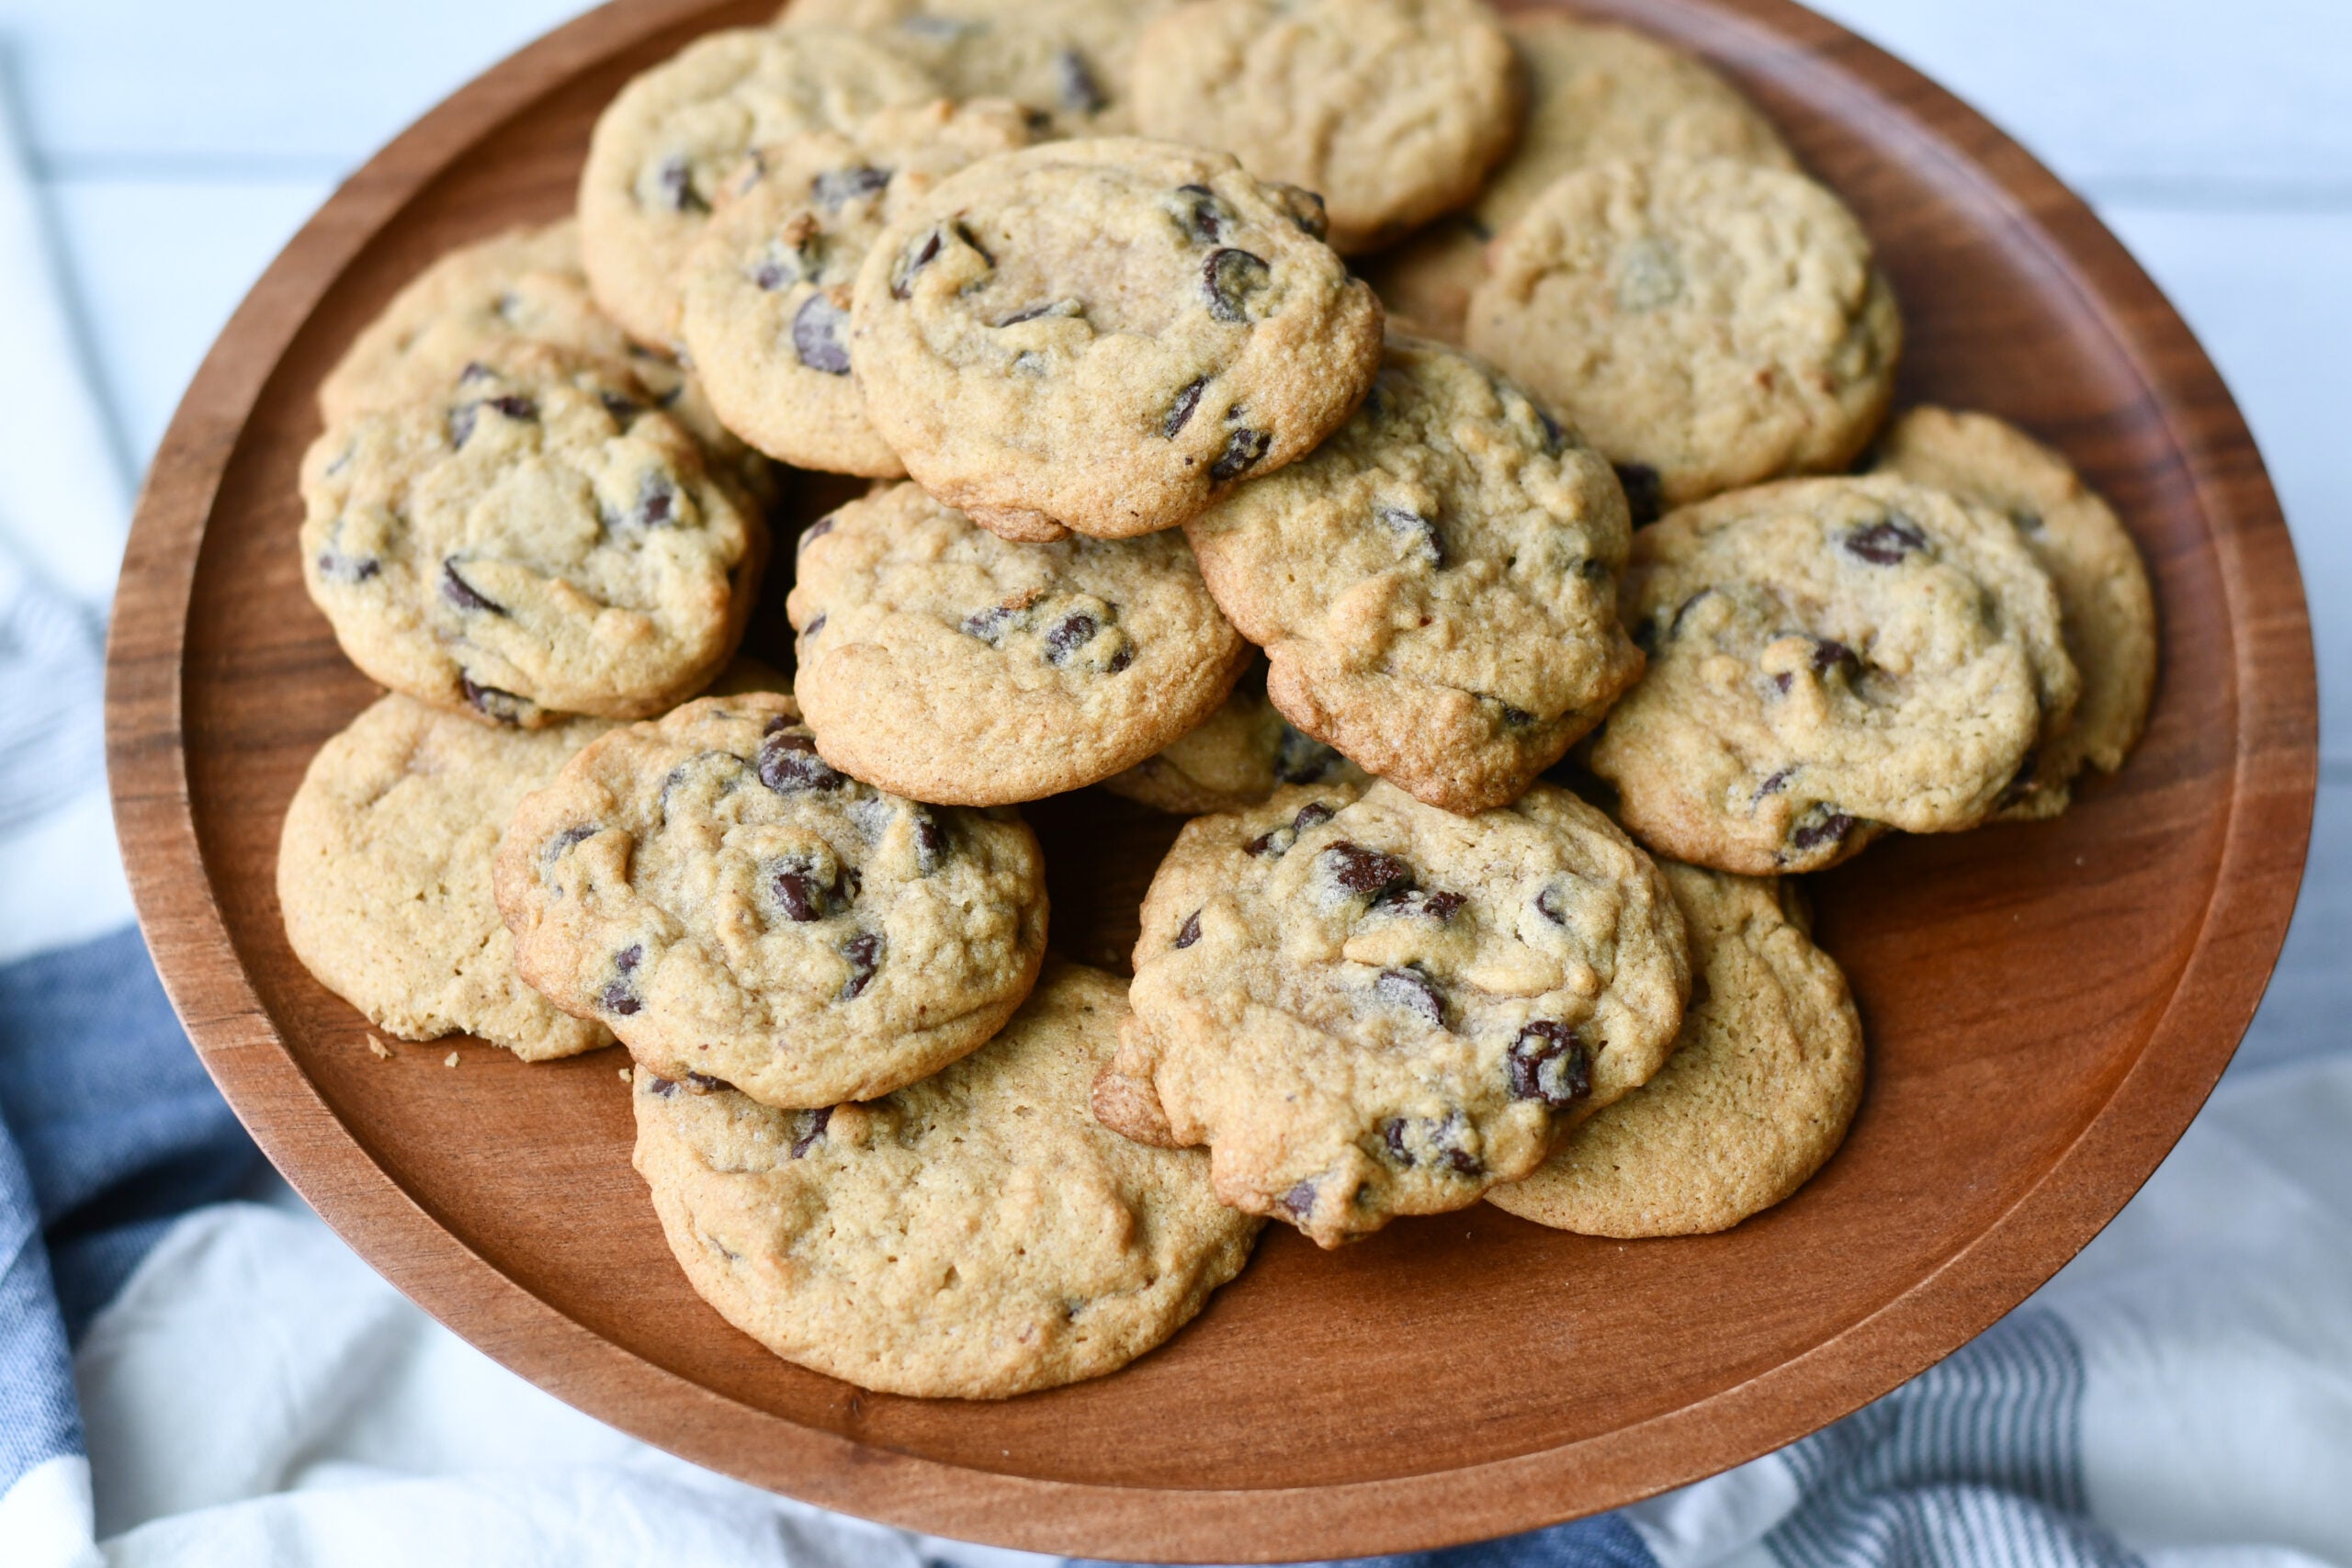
x: 2047, y: 1004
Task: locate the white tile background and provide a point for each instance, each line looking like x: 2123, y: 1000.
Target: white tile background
x: 179, y: 144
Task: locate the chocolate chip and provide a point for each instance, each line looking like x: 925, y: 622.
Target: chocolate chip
x: 1202, y: 216
x: 676, y: 180
x: 1822, y: 825
x: 920, y: 254
x: 1121, y: 659
x: 835, y: 187
x: 1412, y: 990
x: 504, y: 706
x: 1438, y: 906
x: 1886, y: 541
x: 1368, y: 873
x: 629, y: 957
x: 1783, y: 681
x: 973, y: 241
x: 618, y: 998
x: 817, y: 530
x: 799, y: 892
x: 1645, y: 496
x: 1306, y: 210
x: 1277, y: 841
x: 811, y: 1131
x: 1069, y: 634
x: 1549, y: 1062
x: 624, y: 411
x: 1830, y: 655
x: 338, y: 568
x: 813, y: 628
x: 1418, y: 532
x: 723, y: 769
x: 1514, y: 718
x: 1302, y: 758
x: 1556, y: 436
x: 657, y: 501
x: 819, y: 331
x: 463, y: 594
x: 1681, y: 611
x: 989, y: 624
x: 1299, y: 1201
x: 1443, y: 1138
x: 790, y: 764
x: 1081, y: 94
x: 656, y: 1084
x: 1228, y: 277
x: 863, y: 952
x: 561, y: 845
x: 1243, y: 451
x: 1180, y: 412
x: 1775, y: 782
x: 931, y: 841
x: 1035, y: 312
x: 1190, y: 932
x: 1549, y: 905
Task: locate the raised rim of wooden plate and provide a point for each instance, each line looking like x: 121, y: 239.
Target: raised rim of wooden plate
x: 2274, y: 776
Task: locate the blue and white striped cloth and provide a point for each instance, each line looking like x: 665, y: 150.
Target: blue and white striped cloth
x: 194, y: 1371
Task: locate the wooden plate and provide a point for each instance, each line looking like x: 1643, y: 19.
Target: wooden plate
x: 2047, y: 1004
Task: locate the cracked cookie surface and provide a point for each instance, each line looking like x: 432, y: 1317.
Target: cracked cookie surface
x: 1236, y: 757
x: 1764, y: 1079
x: 1707, y: 324
x: 1391, y: 110
x: 2106, y: 609
x: 1366, y: 1007
x: 975, y: 1235
x: 1071, y: 59
x: 729, y: 906
x: 947, y: 664
x: 1829, y: 658
x: 1436, y: 585
x: 1595, y: 94
x: 1102, y: 336
x: 667, y: 144
x: 384, y: 873
x: 538, y: 539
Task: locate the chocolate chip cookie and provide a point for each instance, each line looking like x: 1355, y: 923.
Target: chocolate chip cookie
x: 1103, y: 336
x: 1595, y: 92
x: 666, y: 146
x: 2105, y: 608
x: 1764, y: 1079
x: 975, y: 1235
x: 1706, y: 324
x: 538, y: 539
x: 941, y: 662
x: 1829, y: 658
x: 1071, y: 59
x: 730, y: 906
x: 383, y: 874
x: 1366, y: 1007
x: 1236, y: 757
x: 766, y: 290
x: 524, y: 286
x: 1392, y: 110
x: 1435, y: 586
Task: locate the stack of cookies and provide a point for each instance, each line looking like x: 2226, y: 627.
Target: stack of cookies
x: 1509, y: 645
